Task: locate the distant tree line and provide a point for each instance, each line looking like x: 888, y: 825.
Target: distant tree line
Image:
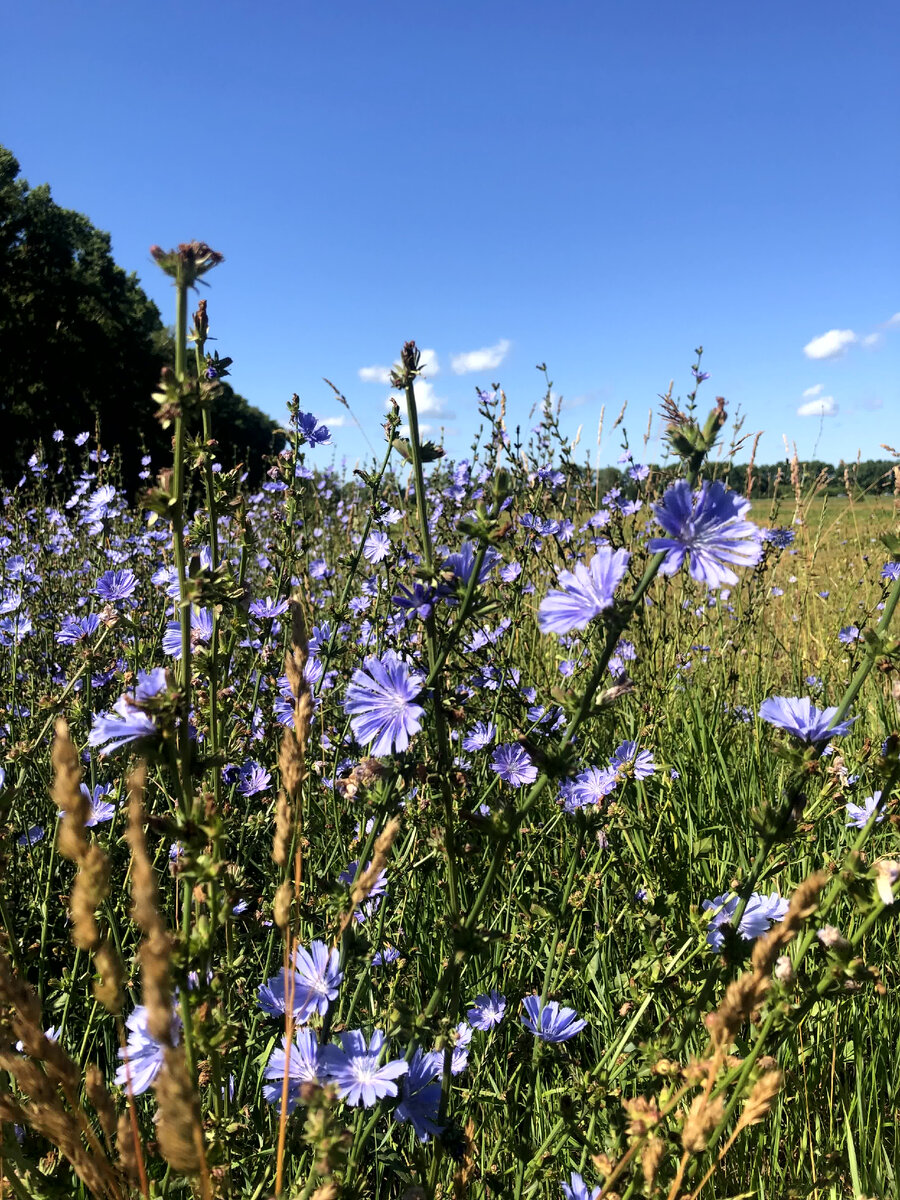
x: 82, y: 346
x: 873, y: 477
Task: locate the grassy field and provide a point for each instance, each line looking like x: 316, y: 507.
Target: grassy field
x: 393, y: 747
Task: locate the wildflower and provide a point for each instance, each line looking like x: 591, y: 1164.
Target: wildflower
x: 348, y: 876
x: 487, y: 1011
x: 589, y: 788
x: 355, y: 1068
x: 624, y: 652
x: 201, y: 631
x: 780, y: 538
x: 128, y: 722
x: 459, y: 1058
x: 629, y: 761
x: 31, y: 836
x: 142, y: 1056
x: 708, y: 527
x: 268, y: 609
x: 799, y: 716
x: 419, y: 601
x: 101, y: 810
x: 253, y: 779
x: 513, y: 765
x: 388, y: 954
x: 759, y: 914
x: 315, y: 982
x: 858, y: 815
x: 300, y: 1061
x: 377, y: 546
x: 587, y: 591
x: 116, y: 585
x: 420, y: 1096
x: 318, y: 976
x: 482, y: 735
x: 462, y: 563
x: 576, y: 1188
x: 551, y: 1023
x: 315, y: 433
x: 891, y: 571
x: 77, y: 629
x: 380, y: 700
x: 849, y: 634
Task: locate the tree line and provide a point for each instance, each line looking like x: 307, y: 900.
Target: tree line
x: 82, y: 346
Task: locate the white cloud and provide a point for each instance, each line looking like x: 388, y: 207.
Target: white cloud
x: 871, y: 339
x: 480, y: 360
x: 428, y: 362
x: 894, y: 320
x: 426, y: 400
x: 830, y: 344
x: 375, y: 374
x: 338, y: 421
x: 813, y: 391
x: 822, y: 406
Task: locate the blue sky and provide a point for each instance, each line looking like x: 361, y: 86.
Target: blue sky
x: 601, y: 186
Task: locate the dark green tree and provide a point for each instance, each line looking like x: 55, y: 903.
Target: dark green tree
x: 82, y: 346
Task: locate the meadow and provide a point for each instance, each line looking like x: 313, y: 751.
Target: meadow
x: 446, y: 829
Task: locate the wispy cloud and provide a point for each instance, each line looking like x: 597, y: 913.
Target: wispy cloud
x: 831, y: 344
x: 337, y: 421
x: 894, y: 320
x: 426, y: 400
x: 822, y: 406
x: 375, y: 374
x: 480, y: 360
x: 870, y: 403
x: 815, y: 390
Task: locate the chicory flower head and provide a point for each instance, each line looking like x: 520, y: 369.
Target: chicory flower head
x: 799, y: 716
x: 487, y: 1011
x: 586, y: 592
x: 708, y: 528
x: 380, y: 701
x: 759, y: 914
x: 858, y: 815
x: 577, y: 1189
x: 513, y: 764
x: 550, y: 1023
x: 300, y: 1061
x: 356, y: 1071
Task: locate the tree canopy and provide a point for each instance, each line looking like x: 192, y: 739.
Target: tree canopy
x: 81, y: 345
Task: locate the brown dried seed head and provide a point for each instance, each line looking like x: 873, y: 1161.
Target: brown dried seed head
x: 281, y: 908
x: 178, y: 1127
x: 282, y: 840
x: 68, y: 796
x: 108, y: 987
x: 702, y: 1119
x: 101, y: 1100
x: 761, y: 1098
x: 125, y: 1146
x: 651, y: 1157
x: 291, y: 762
x: 363, y: 886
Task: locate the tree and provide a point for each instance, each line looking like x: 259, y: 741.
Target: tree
x: 81, y: 344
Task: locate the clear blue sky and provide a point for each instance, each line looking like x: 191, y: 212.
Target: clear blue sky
x: 602, y: 186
